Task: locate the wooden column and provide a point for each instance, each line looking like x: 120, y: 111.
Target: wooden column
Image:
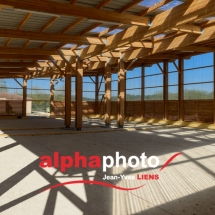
x: 121, y: 94
x: 108, y: 96
x: 181, y: 90
x: 68, y: 75
x: 97, y: 95
x: 52, y: 96
x: 24, y: 102
x: 143, y: 93
x: 79, y: 88
x: 165, y: 90
x: 214, y: 87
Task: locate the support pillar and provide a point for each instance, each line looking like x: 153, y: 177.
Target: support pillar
x: 214, y: 87
x: 108, y: 96
x: 68, y: 75
x: 79, y: 87
x: 97, y: 95
x: 165, y: 90
x: 181, y: 90
x: 52, y: 96
x: 143, y: 93
x: 24, y: 102
x: 121, y: 94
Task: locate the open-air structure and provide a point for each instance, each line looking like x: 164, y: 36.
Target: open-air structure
x: 64, y: 39
x: 101, y: 71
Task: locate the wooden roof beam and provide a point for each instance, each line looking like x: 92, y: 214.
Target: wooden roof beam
x: 155, y: 7
x: 196, y: 48
x: 103, y: 3
x: 50, y: 37
x: 193, y: 29
x: 73, y: 1
x: 20, y: 26
x: 48, y: 24
x: 181, y: 41
x: 180, y: 15
x: 90, y: 28
x: 126, y: 7
x: 73, y: 10
x: 24, y: 57
x: 27, y: 51
x: 72, y: 25
x: 17, y: 64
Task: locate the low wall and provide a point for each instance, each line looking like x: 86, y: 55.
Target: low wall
x: 194, y: 110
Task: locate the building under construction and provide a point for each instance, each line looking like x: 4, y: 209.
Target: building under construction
x: 100, y: 77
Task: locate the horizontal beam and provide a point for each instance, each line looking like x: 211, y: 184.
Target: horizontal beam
x: 61, y: 38
x: 185, y: 13
x: 181, y: 41
x: 196, y: 48
x: 193, y: 29
x: 24, y: 57
x: 15, y: 70
x: 17, y: 64
x: 79, y: 11
x: 22, y: 51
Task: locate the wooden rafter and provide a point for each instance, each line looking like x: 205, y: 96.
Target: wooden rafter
x: 155, y: 7
x: 49, y: 23
x: 73, y: 1
x: 178, y: 42
x: 90, y: 28
x: 19, y: 27
x: 24, y: 57
x: 109, y: 30
x: 17, y: 64
x: 72, y: 25
x: 73, y: 10
x: 175, y: 17
x: 126, y: 7
x: 103, y: 3
x: 50, y: 37
x: 24, y: 21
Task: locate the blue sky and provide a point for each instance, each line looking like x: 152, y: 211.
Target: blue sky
x: 150, y: 3
x: 197, y: 69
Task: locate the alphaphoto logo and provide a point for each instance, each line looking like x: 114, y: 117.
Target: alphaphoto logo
x: 105, y: 162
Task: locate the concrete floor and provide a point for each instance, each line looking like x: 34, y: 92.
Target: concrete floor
x: 185, y: 187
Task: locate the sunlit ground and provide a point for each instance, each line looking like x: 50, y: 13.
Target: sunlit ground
x: 186, y: 186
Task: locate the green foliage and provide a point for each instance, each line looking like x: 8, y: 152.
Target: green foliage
x: 197, y: 94
x: 130, y: 97
x: 188, y: 95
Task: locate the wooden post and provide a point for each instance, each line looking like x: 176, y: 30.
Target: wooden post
x: 143, y: 93
x: 68, y: 75
x: 214, y: 87
x: 121, y: 94
x: 97, y: 95
x: 165, y: 90
x: 108, y: 96
x: 181, y: 90
x: 52, y: 96
x: 24, y: 102
x: 79, y: 88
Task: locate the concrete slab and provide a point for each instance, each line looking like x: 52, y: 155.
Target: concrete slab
x: 186, y: 186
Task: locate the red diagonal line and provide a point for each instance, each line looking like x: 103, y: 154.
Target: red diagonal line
x: 170, y: 160
x: 92, y: 182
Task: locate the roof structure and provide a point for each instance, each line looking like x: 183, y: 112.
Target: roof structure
x: 38, y: 38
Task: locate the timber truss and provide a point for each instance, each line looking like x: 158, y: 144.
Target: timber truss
x: 48, y: 38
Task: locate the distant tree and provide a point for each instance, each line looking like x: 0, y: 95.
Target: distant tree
x: 40, y: 99
x: 188, y: 95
